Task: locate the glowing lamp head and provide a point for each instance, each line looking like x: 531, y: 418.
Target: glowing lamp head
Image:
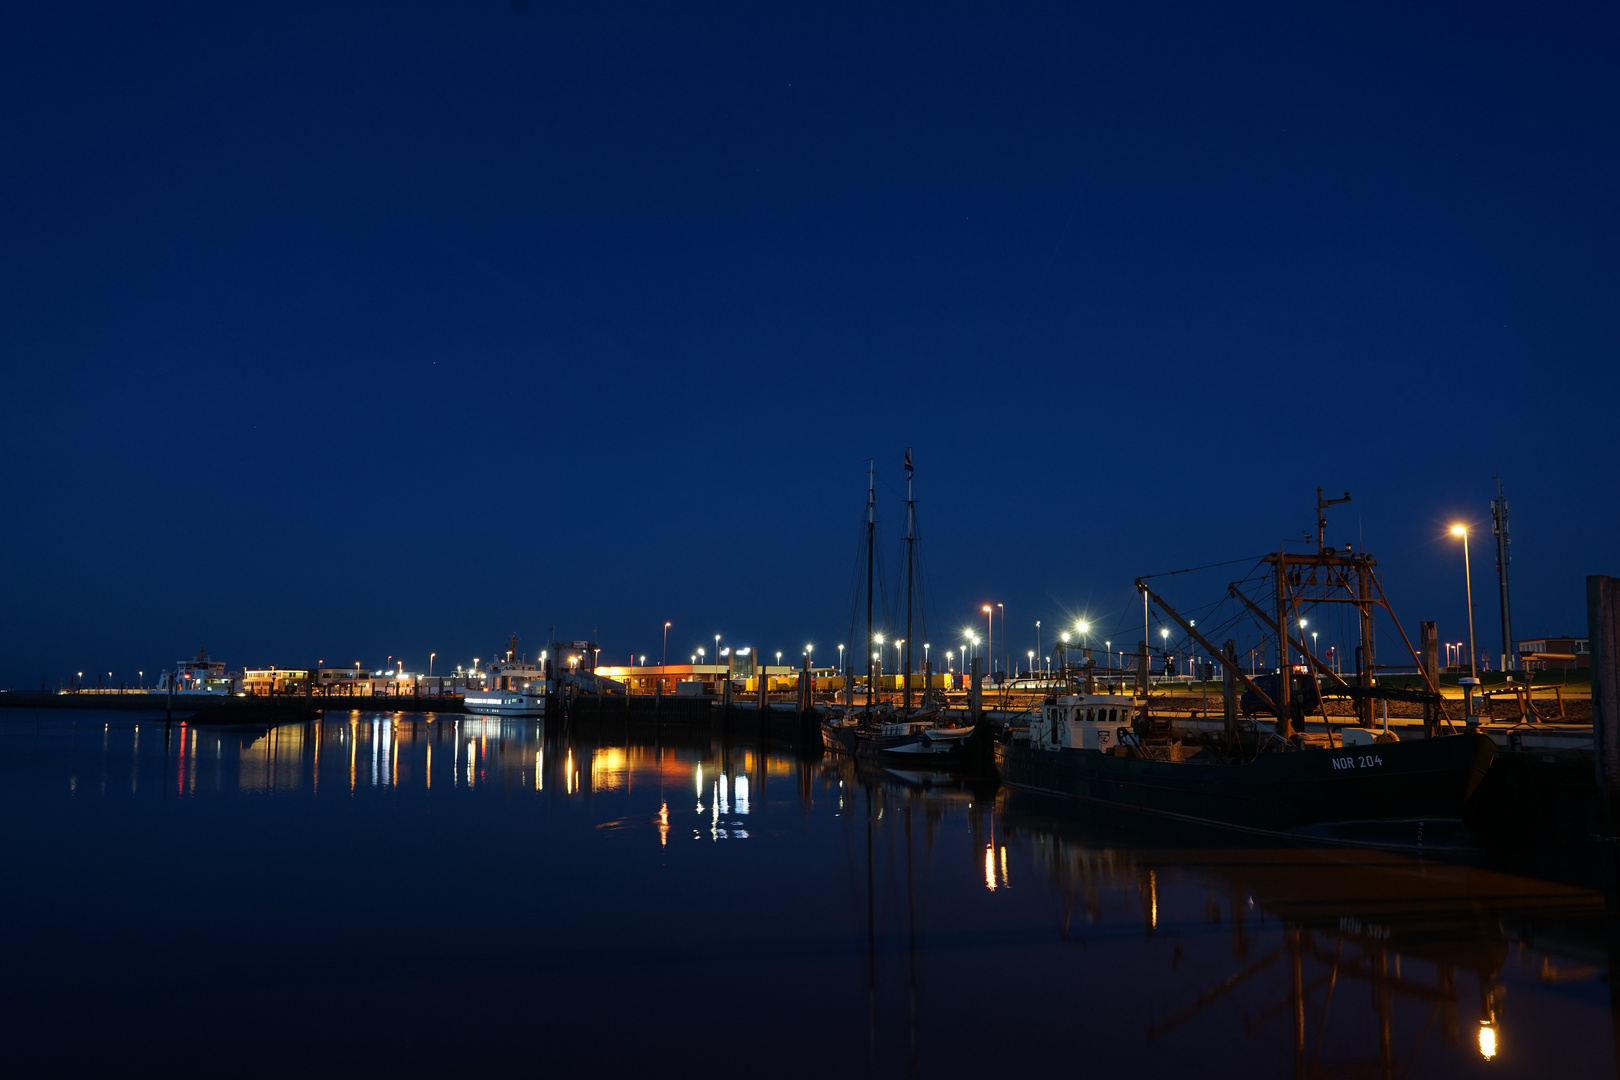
x: 1461, y: 530
x: 1164, y: 631
x: 1082, y: 627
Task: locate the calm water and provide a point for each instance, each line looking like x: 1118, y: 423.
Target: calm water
x: 382, y: 894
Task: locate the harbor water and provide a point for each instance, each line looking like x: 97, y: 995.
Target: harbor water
x: 412, y: 893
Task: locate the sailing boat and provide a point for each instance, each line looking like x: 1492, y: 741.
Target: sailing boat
x: 876, y: 730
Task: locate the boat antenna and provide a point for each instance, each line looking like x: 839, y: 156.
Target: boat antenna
x: 1321, y: 518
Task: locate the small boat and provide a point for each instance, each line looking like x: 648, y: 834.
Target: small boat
x: 512, y: 687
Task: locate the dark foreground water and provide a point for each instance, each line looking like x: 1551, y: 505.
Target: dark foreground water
x: 386, y: 894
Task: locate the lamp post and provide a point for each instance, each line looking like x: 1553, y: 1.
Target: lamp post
x: 663, y: 659
x: 840, y: 659
x: 990, y: 632
x: 1037, y: 635
x: 1473, y: 674
x: 1032, y: 662
x: 431, y: 655
x: 1002, y: 608
x: 1164, y: 637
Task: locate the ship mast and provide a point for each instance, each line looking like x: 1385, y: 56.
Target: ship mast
x: 911, y: 547
x: 871, y: 532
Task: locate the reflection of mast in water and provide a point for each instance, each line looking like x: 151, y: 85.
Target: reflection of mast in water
x: 871, y: 930
x: 1438, y: 923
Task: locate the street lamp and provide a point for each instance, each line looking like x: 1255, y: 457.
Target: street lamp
x: 1032, y: 661
x: 663, y: 659
x: 1002, y: 609
x: 840, y: 658
x: 1473, y: 653
x: 1037, y: 635
x: 778, y: 657
x: 431, y: 655
x: 699, y: 658
x: 990, y: 632
x: 1084, y: 629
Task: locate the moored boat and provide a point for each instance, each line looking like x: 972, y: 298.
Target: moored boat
x: 512, y: 687
x: 1083, y: 747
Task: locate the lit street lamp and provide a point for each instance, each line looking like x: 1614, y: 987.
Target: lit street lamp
x: 1473, y: 673
x: 663, y: 659
x: 431, y: 655
x: 990, y: 632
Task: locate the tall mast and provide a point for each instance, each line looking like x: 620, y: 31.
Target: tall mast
x: 871, y: 531
x: 1499, y: 526
x: 911, y: 544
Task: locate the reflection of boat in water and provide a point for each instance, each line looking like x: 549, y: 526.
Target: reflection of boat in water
x: 512, y: 687
x: 1412, y: 932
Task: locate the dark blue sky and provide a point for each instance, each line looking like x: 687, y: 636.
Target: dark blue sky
x: 335, y: 331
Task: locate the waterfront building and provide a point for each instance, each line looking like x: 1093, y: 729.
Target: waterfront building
x: 274, y: 680
x: 1554, y: 653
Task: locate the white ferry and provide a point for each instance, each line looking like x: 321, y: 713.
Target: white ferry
x: 512, y: 687
x: 201, y: 676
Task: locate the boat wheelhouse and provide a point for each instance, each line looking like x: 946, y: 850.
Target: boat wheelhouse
x: 1083, y: 722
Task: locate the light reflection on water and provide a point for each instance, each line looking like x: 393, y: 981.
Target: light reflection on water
x: 909, y: 922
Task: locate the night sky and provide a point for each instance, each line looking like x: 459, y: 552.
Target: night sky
x: 335, y: 331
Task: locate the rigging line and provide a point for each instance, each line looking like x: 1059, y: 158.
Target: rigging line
x: 1206, y: 566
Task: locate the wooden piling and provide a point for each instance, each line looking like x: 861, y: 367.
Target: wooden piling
x: 1603, y: 630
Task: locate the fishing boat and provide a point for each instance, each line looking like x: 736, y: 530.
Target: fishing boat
x: 512, y: 687
x: 1358, y: 785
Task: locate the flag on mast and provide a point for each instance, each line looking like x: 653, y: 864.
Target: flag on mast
x: 908, y: 463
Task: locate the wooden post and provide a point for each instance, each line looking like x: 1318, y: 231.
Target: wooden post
x: 1229, y: 693
x: 1429, y: 657
x: 1603, y: 630
x: 976, y: 694
x: 807, y: 697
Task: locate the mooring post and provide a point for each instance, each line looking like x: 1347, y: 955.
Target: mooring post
x: 764, y: 689
x: 976, y: 693
x: 1603, y: 631
x: 1429, y: 657
x: 807, y: 697
x: 658, y: 699
x: 168, y: 712
x: 1229, y: 692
